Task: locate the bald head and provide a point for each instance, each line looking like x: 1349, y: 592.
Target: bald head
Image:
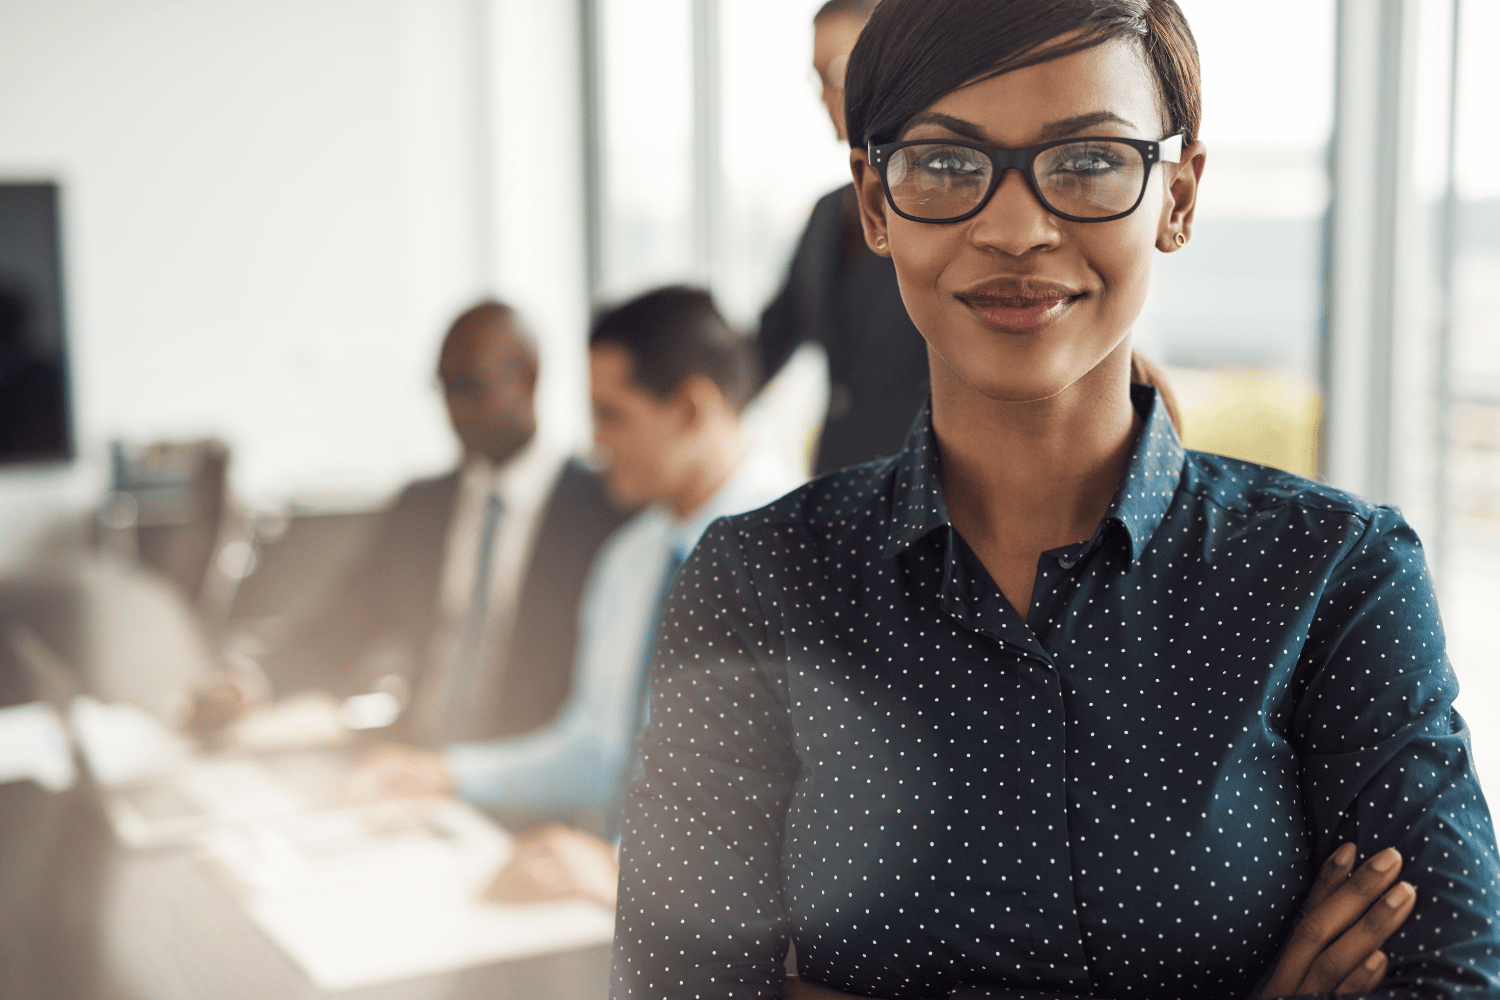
x: 488, y: 369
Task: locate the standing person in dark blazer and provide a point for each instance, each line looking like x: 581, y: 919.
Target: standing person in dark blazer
x: 465, y: 602
x: 840, y: 295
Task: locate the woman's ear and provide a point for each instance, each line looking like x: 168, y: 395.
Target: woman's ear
x: 871, y: 195
x: 1177, y: 209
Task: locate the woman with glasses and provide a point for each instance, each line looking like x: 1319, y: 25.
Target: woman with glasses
x: 1046, y: 705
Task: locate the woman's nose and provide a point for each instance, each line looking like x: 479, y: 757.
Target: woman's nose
x: 1014, y: 221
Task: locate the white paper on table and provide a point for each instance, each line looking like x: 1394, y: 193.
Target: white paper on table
x: 35, y: 746
x: 306, y: 720
x: 177, y: 809
x: 157, y: 791
x: 385, y: 892
x: 122, y: 743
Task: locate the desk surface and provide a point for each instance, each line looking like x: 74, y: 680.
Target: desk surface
x: 82, y: 918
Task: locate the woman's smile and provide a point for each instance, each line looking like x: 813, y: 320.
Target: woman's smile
x: 1019, y: 305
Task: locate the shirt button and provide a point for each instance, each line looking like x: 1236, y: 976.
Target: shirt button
x: 1067, y: 562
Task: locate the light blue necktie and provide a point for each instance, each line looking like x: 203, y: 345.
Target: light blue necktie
x: 470, y: 649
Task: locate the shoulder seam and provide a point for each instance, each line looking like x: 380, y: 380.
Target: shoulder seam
x: 1300, y: 501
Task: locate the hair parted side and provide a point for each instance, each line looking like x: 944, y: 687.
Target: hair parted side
x: 674, y: 333
x: 913, y: 52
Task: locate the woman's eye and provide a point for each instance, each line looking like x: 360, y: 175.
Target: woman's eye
x: 949, y: 162
x: 1088, y: 162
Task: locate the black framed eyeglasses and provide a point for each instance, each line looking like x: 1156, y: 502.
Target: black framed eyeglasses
x: 1087, y: 179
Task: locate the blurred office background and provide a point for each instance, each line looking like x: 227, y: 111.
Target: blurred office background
x: 270, y: 209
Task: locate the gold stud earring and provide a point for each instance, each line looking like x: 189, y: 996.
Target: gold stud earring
x: 1180, y: 239
x: 880, y: 243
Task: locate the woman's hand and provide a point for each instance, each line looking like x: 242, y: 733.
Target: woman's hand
x: 1335, y: 946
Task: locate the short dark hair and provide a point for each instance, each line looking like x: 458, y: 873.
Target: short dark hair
x: 913, y: 52
x: 846, y: 8
x: 674, y: 333
x: 494, y: 313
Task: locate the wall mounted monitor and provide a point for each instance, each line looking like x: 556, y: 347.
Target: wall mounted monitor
x: 35, y: 416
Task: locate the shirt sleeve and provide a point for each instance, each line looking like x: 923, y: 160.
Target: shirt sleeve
x: 1386, y: 761
x: 700, y: 907
x: 568, y: 764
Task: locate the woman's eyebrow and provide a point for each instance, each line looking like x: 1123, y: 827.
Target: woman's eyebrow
x: 1052, y: 130
x: 955, y: 125
x: 1081, y: 123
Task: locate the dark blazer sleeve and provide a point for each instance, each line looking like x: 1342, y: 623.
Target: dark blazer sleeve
x: 389, y: 594
x: 796, y: 315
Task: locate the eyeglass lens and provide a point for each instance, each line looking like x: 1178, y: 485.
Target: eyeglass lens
x: 1090, y: 180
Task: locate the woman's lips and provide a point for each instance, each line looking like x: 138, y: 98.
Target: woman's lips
x: 1019, y: 313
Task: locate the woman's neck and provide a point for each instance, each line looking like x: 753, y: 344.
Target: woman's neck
x: 1022, y: 478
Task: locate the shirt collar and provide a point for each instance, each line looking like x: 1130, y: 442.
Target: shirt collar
x: 917, y: 506
x: 683, y: 533
x: 522, y: 481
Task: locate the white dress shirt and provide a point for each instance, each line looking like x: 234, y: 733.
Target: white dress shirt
x: 576, y: 761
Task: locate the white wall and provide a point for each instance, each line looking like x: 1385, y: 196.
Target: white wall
x: 272, y: 209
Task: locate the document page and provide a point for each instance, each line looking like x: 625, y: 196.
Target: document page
x: 388, y: 891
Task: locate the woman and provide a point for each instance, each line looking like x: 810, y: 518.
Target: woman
x: 1046, y: 705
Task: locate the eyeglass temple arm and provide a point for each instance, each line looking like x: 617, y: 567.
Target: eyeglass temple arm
x: 1170, y: 149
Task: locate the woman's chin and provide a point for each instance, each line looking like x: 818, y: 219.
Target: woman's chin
x: 1007, y: 375
x: 1019, y: 387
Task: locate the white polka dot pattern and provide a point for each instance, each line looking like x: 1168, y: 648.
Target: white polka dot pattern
x: 857, y: 744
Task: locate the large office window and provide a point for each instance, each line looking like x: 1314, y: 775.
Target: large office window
x: 1462, y: 210
x: 678, y: 75
x: 1237, y: 313
x: 647, y: 196
x: 780, y: 151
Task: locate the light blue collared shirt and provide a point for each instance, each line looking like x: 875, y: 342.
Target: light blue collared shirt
x: 576, y: 761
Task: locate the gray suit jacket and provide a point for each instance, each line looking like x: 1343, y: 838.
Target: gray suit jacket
x: 391, y: 597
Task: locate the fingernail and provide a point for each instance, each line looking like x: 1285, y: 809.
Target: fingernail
x: 1344, y: 856
x: 1385, y: 860
x: 1374, y: 962
x: 1398, y: 896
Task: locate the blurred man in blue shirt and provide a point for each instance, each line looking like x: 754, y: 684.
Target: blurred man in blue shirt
x: 669, y: 380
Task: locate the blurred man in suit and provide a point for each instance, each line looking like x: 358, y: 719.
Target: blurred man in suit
x: 464, y: 605
x: 669, y: 379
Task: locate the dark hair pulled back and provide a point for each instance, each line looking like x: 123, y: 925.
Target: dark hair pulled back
x: 913, y: 52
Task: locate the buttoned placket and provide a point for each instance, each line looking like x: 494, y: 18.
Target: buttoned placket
x: 970, y: 596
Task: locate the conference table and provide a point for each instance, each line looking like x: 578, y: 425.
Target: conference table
x: 84, y: 918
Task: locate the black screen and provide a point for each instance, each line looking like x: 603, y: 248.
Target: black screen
x: 34, y: 414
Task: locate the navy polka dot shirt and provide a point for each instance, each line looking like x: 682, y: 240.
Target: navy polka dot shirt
x: 858, y: 745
